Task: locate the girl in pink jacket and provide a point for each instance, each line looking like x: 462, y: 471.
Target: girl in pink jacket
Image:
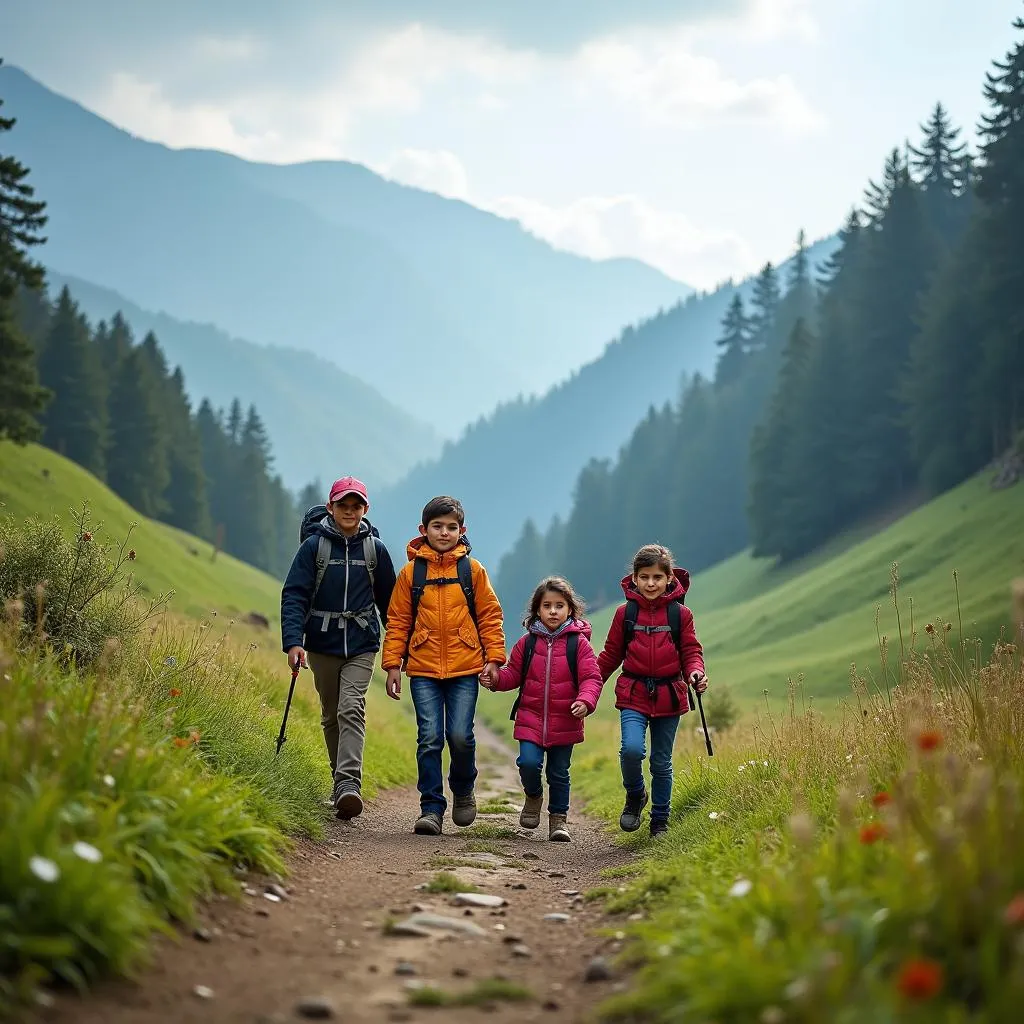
x: 559, y: 681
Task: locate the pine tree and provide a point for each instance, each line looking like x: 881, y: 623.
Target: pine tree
x: 310, y: 495
x: 186, y: 500
x: 765, y: 302
x: 733, y: 342
x: 138, y: 469
x: 252, y: 535
x: 235, y: 423
x: 218, y: 468
x: 520, y: 570
x: 22, y: 399
x: 75, y: 423
x: 942, y: 169
x: 114, y: 343
x: 999, y: 382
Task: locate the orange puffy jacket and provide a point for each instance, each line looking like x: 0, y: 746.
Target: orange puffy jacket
x: 445, y: 643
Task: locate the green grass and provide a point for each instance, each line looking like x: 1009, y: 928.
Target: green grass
x: 138, y: 772
x: 490, y: 990
x: 761, y: 626
x: 168, y: 559
x: 445, y: 881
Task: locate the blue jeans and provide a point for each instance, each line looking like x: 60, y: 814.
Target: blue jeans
x: 530, y: 762
x: 444, y: 711
x: 634, y: 726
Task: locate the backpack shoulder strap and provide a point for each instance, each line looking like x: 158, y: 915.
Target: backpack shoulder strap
x: 572, y: 652
x: 675, y: 621
x: 419, y: 582
x: 370, y: 555
x: 528, y: 648
x: 629, y: 621
x: 324, y: 549
x: 464, y: 568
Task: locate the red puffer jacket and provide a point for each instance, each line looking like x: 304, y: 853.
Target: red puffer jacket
x: 652, y: 655
x: 544, y: 715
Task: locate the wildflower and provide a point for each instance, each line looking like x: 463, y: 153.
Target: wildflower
x: 1014, y: 913
x: 872, y: 832
x: 881, y: 798
x: 849, y: 757
x: 929, y: 628
x: 741, y: 767
x: 109, y: 780
x: 741, y: 887
x: 86, y: 536
x: 713, y: 815
x: 171, y: 661
x: 180, y: 741
x: 87, y: 852
x: 44, y: 869
x: 919, y: 978
x: 949, y: 626
x: 131, y: 555
x: 174, y: 691
x: 929, y: 739
x: 194, y: 736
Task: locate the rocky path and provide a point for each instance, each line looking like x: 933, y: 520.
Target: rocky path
x: 357, y: 938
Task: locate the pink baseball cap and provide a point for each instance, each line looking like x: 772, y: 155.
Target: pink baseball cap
x: 348, y: 485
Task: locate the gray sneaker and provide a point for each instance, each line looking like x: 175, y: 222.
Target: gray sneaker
x: 464, y: 810
x: 348, y: 805
x: 428, y: 824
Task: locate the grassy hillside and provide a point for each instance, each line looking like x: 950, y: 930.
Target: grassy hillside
x: 36, y: 481
x: 761, y: 625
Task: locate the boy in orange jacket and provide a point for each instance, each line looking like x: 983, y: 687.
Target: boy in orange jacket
x: 445, y: 628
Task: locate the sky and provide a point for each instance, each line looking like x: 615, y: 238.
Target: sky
x: 696, y: 135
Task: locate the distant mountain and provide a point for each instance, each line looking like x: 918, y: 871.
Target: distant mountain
x: 522, y: 461
x: 321, y: 421
x: 401, y: 287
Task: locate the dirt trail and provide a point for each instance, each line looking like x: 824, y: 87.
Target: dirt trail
x: 328, y: 939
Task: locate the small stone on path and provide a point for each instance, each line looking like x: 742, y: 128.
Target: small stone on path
x: 422, y: 923
x: 478, y: 899
x: 316, y: 1008
x: 518, y: 885
x: 460, y: 972
x: 404, y: 969
x: 597, y: 970
x: 530, y: 855
x: 521, y: 950
x: 570, y: 892
x: 203, y: 992
x: 202, y: 935
x: 556, y: 917
x: 556, y: 874
x: 277, y: 890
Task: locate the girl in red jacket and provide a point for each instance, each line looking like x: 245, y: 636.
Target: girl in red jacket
x: 552, y: 704
x: 651, y: 691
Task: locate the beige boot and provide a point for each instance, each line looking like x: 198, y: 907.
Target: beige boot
x: 530, y: 817
x: 557, y: 830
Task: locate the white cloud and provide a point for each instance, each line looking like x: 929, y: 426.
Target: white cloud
x: 627, y: 225
x: 665, y: 79
x: 435, y: 170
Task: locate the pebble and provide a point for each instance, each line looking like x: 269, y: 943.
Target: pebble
x: 517, y: 885
x: 404, y: 969
x: 262, y: 912
x: 597, y: 970
x: 521, y: 951
x: 478, y: 899
x: 530, y: 855
x: 551, y: 1005
x: 556, y: 874
x: 570, y: 892
x: 277, y: 890
x: 511, y: 939
x: 202, y: 935
x: 316, y: 1008
x: 203, y: 992
x: 556, y: 917
x: 419, y: 925
x: 249, y: 890
x: 460, y: 972
x: 273, y: 897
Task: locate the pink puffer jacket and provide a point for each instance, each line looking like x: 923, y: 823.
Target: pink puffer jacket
x: 544, y: 716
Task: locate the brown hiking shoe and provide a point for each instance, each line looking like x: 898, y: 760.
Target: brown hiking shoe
x: 428, y: 824
x: 530, y: 816
x: 464, y: 809
x: 557, y: 830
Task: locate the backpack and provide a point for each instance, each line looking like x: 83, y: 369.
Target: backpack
x: 325, y: 546
x: 675, y: 622
x: 463, y: 577
x: 572, y: 649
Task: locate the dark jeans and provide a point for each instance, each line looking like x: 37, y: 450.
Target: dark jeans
x: 634, y: 726
x: 444, y: 711
x: 530, y: 762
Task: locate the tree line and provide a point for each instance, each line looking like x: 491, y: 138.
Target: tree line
x: 895, y: 371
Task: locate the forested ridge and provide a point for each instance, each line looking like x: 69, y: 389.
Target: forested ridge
x: 899, y: 369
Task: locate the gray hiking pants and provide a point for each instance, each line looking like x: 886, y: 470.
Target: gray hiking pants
x: 341, y: 684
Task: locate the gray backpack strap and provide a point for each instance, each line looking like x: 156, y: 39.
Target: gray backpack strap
x: 323, y: 556
x: 370, y: 555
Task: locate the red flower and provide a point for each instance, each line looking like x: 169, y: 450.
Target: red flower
x: 881, y: 798
x: 872, y: 832
x: 174, y: 691
x: 929, y: 739
x: 919, y: 978
x: 86, y: 536
x: 180, y: 741
x: 1013, y: 915
x: 929, y: 628
x: 131, y: 555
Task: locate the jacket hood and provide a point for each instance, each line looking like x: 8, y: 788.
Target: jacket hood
x: 580, y: 626
x: 676, y: 589
x: 419, y: 548
x: 327, y: 527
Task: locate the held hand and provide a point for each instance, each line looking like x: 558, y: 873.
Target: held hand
x: 491, y: 672
x: 486, y: 681
x: 394, y: 683
x: 579, y: 709
x: 297, y: 658
x: 699, y: 680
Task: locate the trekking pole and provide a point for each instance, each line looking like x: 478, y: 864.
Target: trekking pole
x: 704, y: 722
x: 284, y: 721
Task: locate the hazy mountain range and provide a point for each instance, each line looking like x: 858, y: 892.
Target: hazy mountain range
x: 398, y: 286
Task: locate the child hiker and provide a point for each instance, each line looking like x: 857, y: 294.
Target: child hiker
x: 559, y: 682
x: 652, y: 636
x: 445, y: 627
x: 340, y: 578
